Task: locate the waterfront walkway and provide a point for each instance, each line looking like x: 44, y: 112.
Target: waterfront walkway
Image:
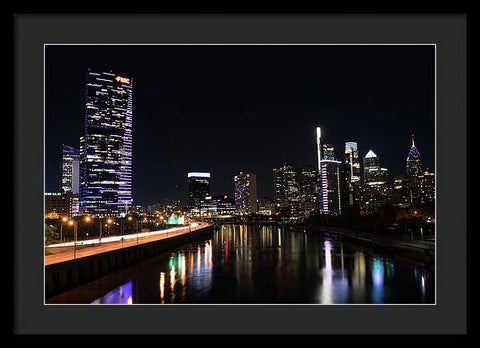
x: 419, y: 245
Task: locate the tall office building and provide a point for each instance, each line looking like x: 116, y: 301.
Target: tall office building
x: 246, y: 193
x: 371, y: 164
x: 414, y: 170
x: 328, y: 152
x: 376, y: 189
x: 352, y: 161
x: 70, y: 178
x: 401, y: 191
x: 308, y: 184
x: 106, y: 146
x: 224, y: 205
x: 351, y: 173
x: 426, y: 182
x: 198, y: 189
x: 285, y: 184
x: 329, y: 177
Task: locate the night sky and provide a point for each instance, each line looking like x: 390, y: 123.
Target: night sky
x: 225, y: 109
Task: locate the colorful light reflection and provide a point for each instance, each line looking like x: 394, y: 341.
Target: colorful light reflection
x: 121, y: 295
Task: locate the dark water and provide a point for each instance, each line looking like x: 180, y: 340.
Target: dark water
x: 264, y: 264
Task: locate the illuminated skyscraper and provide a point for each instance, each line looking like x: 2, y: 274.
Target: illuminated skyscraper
x: 376, y: 190
x: 426, y: 182
x: 414, y: 170
x: 308, y: 184
x: 329, y: 177
x: 352, y: 160
x: 246, y: 193
x: 198, y: 189
x: 285, y: 184
x: 371, y: 164
x: 106, y: 146
x: 328, y: 152
x: 401, y: 191
x: 70, y: 178
x: 308, y: 177
x: 351, y: 174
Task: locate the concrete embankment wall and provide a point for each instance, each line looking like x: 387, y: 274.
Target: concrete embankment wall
x: 62, y: 276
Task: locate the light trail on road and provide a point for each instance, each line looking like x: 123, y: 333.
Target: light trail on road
x: 94, y: 246
x: 119, y: 238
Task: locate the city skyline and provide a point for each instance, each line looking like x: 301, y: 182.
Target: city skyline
x: 272, y: 146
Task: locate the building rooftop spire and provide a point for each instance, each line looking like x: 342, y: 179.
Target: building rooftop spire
x: 413, y: 153
x: 370, y: 154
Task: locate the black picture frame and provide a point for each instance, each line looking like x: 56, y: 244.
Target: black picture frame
x: 448, y: 32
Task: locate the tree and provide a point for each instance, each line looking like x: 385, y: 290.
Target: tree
x: 51, y: 234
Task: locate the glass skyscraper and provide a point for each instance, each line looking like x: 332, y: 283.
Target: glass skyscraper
x: 329, y: 182
x: 414, y: 171
x: 70, y: 170
x: 376, y: 191
x: 198, y: 189
x: 106, y: 146
x: 351, y: 173
x: 426, y: 185
x: 246, y: 193
x: 352, y: 160
x: 308, y: 184
x: 285, y: 184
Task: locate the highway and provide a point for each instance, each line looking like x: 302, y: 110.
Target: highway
x: 61, y: 252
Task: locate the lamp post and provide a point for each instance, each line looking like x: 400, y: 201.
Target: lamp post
x: 121, y: 229
x: 130, y: 219
x: 100, y: 223
x: 109, y: 221
x: 64, y: 219
x: 75, y: 227
x: 87, y: 220
x: 75, y: 233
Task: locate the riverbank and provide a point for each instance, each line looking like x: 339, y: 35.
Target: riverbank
x: 416, y: 250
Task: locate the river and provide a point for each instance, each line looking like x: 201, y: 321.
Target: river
x: 240, y: 264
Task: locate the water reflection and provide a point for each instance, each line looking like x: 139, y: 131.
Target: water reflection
x: 162, y: 286
x: 265, y: 264
x: 421, y: 278
x: 327, y: 275
x: 121, y: 295
x: 377, y: 279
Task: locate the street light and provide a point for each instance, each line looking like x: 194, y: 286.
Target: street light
x: 75, y: 233
x: 109, y: 221
x: 75, y: 227
x: 130, y: 218
x: 88, y: 219
x: 64, y: 219
x: 122, y: 228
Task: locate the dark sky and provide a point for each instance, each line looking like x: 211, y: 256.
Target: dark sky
x: 228, y: 108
